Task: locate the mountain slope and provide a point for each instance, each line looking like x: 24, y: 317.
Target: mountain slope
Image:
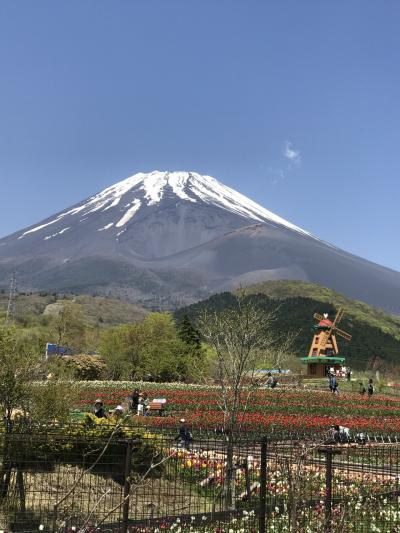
x: 375, y: 334
x: 170, y: 238
x: 97, y: 311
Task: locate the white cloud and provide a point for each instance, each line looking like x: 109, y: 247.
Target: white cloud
x: 290, y: 153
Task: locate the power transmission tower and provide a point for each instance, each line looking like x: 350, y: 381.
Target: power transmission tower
x: 10, y: 315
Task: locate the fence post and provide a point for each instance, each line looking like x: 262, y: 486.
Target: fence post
x: 263, y: 486
x: 328, y: 491
x: 329, y: 453
x: 127, y: 488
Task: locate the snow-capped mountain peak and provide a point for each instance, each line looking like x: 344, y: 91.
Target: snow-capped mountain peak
x: 172, y: 238
x: 130, y: 195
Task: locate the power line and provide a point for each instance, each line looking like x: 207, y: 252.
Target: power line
x: 10, y: 315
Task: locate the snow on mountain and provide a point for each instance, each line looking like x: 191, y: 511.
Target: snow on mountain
x: 171, y: 238
x: 149, y: 189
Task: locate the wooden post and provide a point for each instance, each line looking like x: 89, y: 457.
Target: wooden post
x: 329, y: 452
x: 328, y: 491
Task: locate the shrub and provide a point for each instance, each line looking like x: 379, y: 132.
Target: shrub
x: 86, y: 367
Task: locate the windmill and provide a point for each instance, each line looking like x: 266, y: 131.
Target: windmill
x: 324, y: 352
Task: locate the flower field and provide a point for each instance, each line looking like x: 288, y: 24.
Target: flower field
x: 269, y: 409
x: 207, y: 468
x: 359, y: 496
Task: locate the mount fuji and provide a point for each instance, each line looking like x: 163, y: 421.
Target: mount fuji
x: 171, y: 238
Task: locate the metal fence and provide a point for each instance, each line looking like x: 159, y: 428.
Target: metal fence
x: 56, y: 479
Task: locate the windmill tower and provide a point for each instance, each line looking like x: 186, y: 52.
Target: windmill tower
x: 10, y: 314
x: 324, y: 352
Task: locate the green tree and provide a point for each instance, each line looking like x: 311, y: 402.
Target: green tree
x: 69, y: 327
x: 188, y: 333
x: 152, y: 346
x: 21, y: 363
x: 166, y: 356
x: 113, y: 349
x: 18, y: 365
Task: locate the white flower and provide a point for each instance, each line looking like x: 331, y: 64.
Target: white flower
x: 41, y: 527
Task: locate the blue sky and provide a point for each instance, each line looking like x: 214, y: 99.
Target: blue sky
x: 295, y: 104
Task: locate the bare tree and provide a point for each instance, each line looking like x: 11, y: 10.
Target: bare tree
x: 280, y: 351
x: 296, y: 465
x: 242, y: 339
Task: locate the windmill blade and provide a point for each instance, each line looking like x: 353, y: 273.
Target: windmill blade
x: 343, y: 334
x: 339, y: 316
x: 318, y: 316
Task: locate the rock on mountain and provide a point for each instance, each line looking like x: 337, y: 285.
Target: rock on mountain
x: 171, y: 238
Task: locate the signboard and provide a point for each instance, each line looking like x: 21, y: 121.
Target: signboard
x: 56, y: 349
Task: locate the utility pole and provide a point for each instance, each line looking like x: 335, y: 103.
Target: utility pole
x: 10, y: 315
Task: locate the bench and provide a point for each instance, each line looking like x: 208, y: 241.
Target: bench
x: 157, y: 406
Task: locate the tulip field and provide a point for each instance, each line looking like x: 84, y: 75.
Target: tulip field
x: 294, y: 479
x: 279, y: 409
x: 361, y: 497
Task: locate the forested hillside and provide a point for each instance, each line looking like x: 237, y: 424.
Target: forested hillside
x: 376, y: 335
x: 375, y: 342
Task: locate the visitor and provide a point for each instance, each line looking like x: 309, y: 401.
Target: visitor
x: 370, y: 388
x: 361, y: 438
x: 348, y: 375
x: 184, y: 437
x: 361, y: 389
x: 135, y: 401
x: 330, y: 380
x: 334, y: 387
x: 340, y: 434
x: 144, y: 404
x: 271, y: 381
x: 98, y: 409
x: 118, y: 412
